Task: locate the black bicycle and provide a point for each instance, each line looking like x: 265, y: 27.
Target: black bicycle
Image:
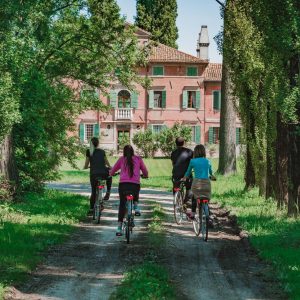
x: 98, y: 206
x: 128, y: 223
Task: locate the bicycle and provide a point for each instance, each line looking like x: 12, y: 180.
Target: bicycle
x: 178, y: 202
x: 98, y: 206
x: 201, y: 219
x: 128, y: 223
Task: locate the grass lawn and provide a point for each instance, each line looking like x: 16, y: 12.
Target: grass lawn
x: 160, y: 171
x: 28, y: 228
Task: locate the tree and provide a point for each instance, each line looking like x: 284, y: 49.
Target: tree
x: 265, y: 65
x: 227, y: 150
x: 159, y: 18
x: 49, y: 48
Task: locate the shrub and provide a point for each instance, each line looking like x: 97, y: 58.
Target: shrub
x: 167, y: 137
x: 146, y: 143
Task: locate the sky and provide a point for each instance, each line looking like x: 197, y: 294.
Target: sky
x: 191, y: 15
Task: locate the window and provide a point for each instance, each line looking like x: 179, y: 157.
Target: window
x: 213, y: 135
x: 158, y: 71
x: 156, y: 129
x: 89, y: 93
x: 89, y: 131
x: 196, y: 134
x: 192, y: 71
x: 238, y: 135
x: 191, y: 99
x: 157, y: 98
x: 123, y: 99
x: 216, y: 100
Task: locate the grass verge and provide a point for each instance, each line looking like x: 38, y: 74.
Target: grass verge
x: 148, y: 281
x: 28, y: 228
x: 275, y: 236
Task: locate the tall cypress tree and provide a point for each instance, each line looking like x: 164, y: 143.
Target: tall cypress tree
x: 159, y: 18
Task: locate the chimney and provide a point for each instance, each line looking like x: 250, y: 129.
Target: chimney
x: 203, y: 43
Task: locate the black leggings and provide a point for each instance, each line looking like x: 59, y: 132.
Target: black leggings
x: 93, y: 181
x: 124, y: 189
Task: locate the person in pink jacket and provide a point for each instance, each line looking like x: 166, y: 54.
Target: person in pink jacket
x: 130, y: 166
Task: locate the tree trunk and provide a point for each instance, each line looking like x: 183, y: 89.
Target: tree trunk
x: 8, y: 167
x: 249, y: 170
x: 227, y: 154
x: 294, y: 147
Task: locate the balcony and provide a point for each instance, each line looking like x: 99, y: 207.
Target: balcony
x: 123, y: 114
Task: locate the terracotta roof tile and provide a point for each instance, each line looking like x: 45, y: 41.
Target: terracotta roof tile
x: 213, y: 72
x: 163, y: 53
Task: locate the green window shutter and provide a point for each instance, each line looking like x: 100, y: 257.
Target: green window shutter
x: 134, y: 100
x: 211, y: 135
x: 237, y: 132
x: 198, y: 134
x: 158, y: 71
x: 163, y: 100
x: 184, y: 99
x: 81, y: 132
x: 191, y: 71
x: 151, y: 99
x: 198, y: 97
x: 216, y: 100
x: 96, y: 130
x: 113, y: 98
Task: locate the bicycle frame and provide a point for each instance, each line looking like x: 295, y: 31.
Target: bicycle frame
x: 201, y: 219
x: 98, y: 201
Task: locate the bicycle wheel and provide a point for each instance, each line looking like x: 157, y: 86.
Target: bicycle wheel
x: 196, y: 222
x: 178, y: 210
x: 100, y: 203
x: 204, y: 221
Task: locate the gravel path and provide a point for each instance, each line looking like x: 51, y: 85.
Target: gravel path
x: 93, y: 260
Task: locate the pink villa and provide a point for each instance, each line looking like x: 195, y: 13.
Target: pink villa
x: 184, y: 89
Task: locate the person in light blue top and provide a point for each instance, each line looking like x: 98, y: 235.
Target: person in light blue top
x: 201, y: 186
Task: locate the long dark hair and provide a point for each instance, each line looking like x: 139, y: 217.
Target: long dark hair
x: 128, y: 153
x: 94, y: 143
x: 199, y: 151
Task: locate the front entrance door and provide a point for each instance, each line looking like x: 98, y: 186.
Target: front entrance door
x: 123, y: 138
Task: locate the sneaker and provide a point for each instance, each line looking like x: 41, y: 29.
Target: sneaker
x: 90, y: 212
x: 137, y: 211
x: 106, y: 197
x: 119, y: 231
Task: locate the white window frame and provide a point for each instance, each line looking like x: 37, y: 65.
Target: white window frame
x: 189, y: 91
x: 155, y: 91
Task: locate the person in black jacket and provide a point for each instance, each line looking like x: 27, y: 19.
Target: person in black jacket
x: 99, y: 168
x: 180, y: 161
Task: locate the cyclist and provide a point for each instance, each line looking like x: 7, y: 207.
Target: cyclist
x: 99, y: 168
x: 130, y: 166
x: 201, y: 186
x: 180, y: 161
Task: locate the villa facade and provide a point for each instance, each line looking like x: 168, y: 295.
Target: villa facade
x: 184, y: 89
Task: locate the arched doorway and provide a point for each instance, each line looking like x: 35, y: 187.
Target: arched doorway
x: 124, y: 99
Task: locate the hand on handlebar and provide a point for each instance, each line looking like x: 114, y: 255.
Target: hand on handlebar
x: 144, y: 177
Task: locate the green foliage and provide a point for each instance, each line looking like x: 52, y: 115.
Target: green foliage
x: 167, y: 137
x: 275, y: 236
x: 146, y: 143
x: 123, y: 140
x: 159, y: 18
x: 265, y: 36
x: 30, y: 227
x: 48, y: 49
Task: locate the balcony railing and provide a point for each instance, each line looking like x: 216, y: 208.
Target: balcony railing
x: 123, y: 114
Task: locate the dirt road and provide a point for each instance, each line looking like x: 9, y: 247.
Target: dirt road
x: 93, y: 260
